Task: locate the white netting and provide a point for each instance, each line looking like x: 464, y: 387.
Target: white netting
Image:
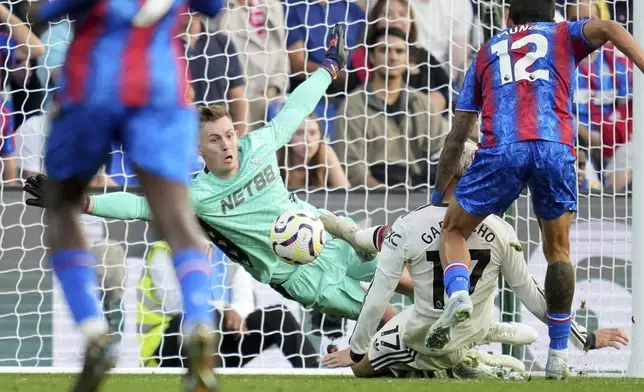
x: 382, y: 125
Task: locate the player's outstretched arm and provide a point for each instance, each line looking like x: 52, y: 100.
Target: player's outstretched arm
x: 306, y: 96
x: 464, y: 121
x: 599, y: 32
x: 30, y: 45
x: 515, y: 271
x: 118, y: 205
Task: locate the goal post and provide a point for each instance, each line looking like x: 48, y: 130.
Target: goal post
x: 636, y: 362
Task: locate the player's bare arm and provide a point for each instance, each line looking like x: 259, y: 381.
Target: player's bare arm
x: 515, y: 272
x: 599, y: 32
x: 464, y: 122
x: 30, y: 45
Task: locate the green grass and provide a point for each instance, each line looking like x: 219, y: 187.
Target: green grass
x: 163, y: 383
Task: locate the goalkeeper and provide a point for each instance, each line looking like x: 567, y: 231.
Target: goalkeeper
x: 240, y: 195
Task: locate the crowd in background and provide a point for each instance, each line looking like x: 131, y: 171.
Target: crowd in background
x: 382, y: 122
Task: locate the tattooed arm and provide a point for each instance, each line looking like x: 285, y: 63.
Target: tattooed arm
x: 453, y: 149
x: 467, y: 112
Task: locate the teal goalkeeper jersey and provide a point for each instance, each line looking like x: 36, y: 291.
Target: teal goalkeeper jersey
x: 237, y: 213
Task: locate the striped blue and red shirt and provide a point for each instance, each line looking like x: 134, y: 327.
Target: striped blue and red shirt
x: 110, y: 61
x: 521, y: 82
x: 602, y: 97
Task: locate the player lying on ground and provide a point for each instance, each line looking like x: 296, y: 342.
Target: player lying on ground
x: 520, y: 82
x: 123, y: 82
x: 401, y: 342
x: 240, y: 195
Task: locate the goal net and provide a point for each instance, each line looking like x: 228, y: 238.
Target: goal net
x: 384, y: 120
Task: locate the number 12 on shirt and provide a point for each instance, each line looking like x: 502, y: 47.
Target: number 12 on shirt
x: 520, y: 72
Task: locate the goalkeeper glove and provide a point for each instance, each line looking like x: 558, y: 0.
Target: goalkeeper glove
x: 336, y: 53
x: 34, y: 187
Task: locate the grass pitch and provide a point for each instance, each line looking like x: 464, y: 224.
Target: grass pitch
x: 242, y: 383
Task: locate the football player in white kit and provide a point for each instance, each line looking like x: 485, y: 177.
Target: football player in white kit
x: 399, y: 346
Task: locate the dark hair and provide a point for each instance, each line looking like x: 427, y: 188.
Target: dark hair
x: 526, y: 11
x: 375, y: 35
x: 380, y: 9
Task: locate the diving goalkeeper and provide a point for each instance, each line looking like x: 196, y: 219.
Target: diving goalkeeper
x: 240, y: 195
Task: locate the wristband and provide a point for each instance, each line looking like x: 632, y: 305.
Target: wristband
x: 355, y: 357
x: 331, y: 67
x: 591, y: 342
x: 86, y: 204
x: 437, y: 197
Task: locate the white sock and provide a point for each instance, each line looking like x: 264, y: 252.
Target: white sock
x: 459, y: 291
x: 558, y: 353
x: 367, y: 239
x: 93, y: 327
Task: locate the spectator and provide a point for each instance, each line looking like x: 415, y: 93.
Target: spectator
x: 30, y: 143
x: 245, y: 331
x: 217, y: 75
x: 308, y: 24
x: 602, y: 102
x: 390, y: 140
x: 18, y: 46
x: 308, y: 162
x: 257, y: 29
x: 445, y: 27
x: 30, y: 140
x: 425, y: 72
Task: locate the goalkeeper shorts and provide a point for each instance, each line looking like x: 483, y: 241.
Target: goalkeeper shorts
x: 333, y: 282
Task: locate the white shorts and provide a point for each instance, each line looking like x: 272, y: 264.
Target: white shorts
x: 388, y: 351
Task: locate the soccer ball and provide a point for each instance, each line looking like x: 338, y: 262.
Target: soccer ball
x: 297, y: 237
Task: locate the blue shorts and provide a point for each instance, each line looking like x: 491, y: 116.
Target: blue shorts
x: 161, y: 141
x: 498, y: 175
x: 8, y: 140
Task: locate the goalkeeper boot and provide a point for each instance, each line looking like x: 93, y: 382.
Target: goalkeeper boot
x: 557, y: 365
x: 515, y: 334
x: 99, y: 359
x: 201, y: 361
x: 473, y: 367
x: 346, y: 230
x: 510, y: 364
x: 457, y: 310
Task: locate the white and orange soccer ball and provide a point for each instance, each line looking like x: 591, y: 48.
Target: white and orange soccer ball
x: 297, y: 237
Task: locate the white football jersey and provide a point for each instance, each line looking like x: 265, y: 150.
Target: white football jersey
x: 414, y: 241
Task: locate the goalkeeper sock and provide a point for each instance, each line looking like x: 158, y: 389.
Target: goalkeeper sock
x: 75, y: 271
x: 193, y: 272
x: 456, y: 277
x: 371, y: 239
x: 559, y: 330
